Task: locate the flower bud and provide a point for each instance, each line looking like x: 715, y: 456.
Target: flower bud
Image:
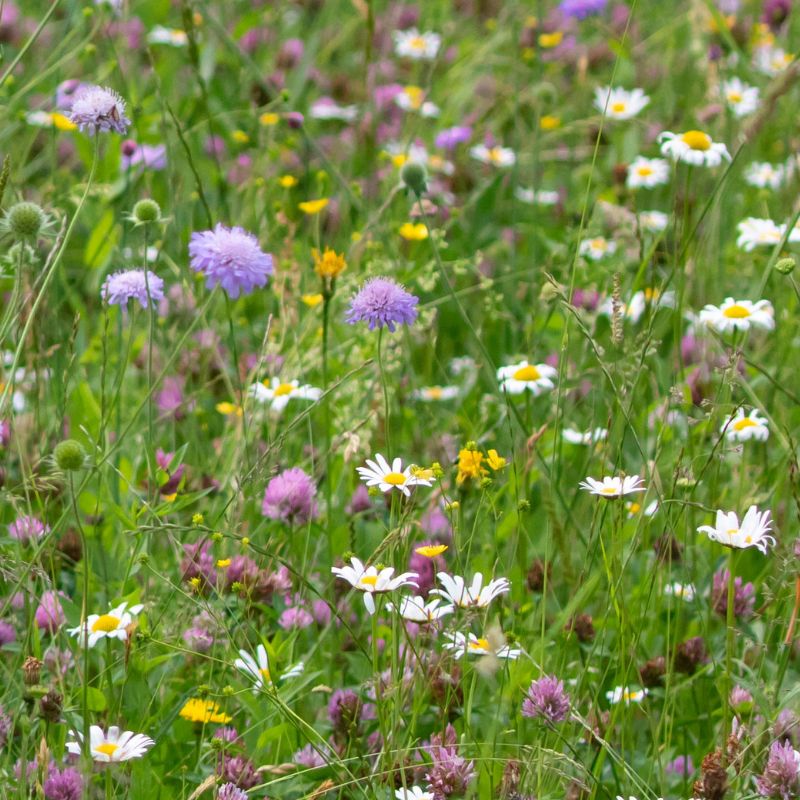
x: 146, y: 211
x: 69, y: 455
x: 25, y: 220
x: 785, y: 265
x: 414, y: 176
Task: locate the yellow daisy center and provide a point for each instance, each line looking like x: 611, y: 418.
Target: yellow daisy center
x: 527, y: 373
x: 434, y: 393
x: 418, y: 43
x: 479, y: 644
x: 635, y: 508
x: 651, y: 294
x: 697, y: 140
x: 283, y: 388
x: 107, y: 748
x: 395, y: 478
x: 105, y: 623
x: 369, y: 580
x: 746, y: 422
x: 618, y: 107
x: 495, y: 154
x: 644, y: 171
x: 734, y: 97
x: 609, y: 490
x: 732, y: 532
x: 736, y: 312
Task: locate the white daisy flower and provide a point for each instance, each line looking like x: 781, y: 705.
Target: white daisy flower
x: 755, y: 232
x: 685, y: 591
x: 619, y: 103
x: 455, y: 590
x: 647, y: 173
x: 278, y: 393
x: 257, y: 669
x: 432, y: 394
x: 414, y: 793
x: 743, y: 427
x: 635, y: 508
x: 764, y: 175
x: 640, y: 300
x: 738, y: 315
x: 741, y: 98
x: 753, y: 531
x: 653, y: 221
x: 771, y: 60
x: 415, y: 609
x: 415, y: 45
x: 613, y: 487
x: 574, y: 436
x: 535, y: 378
x: 387, y: 477
x: 597, y: 248
x: 473, y: 646
x: 496, y: 156
x: 112, y: 625
x: 111, y: 747
x: 326, y: 108
x: 693, y: 147
x: 370, y: 581
x: 172, y: 36
x: 540, y: 197
x: 412, y: 98
x: 623, y: 694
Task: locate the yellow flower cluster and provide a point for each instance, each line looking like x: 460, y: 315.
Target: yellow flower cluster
x: 328, y: 264
x: 470, y: 463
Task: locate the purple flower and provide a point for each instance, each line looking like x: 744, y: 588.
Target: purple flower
x: 227, y: 734
x: 7, y: 633
x: 786, y: 726
x: 290, y: 497
x: 344, y: 711
x: 95, y: 108
x: 170, y: 400
x: 295, y: 617
x: 360, y: 501
x: 5, y: 727
x: 66, y: 91
x: 580, y: 9
x: 58, y: 661
x: 199, y: 562
x: 231, y: 258
x: 450, y: 138
x: 546, y: 698
x: 145, y: 155
x: 437, y: 524
x: 63, y: 784
x: 451, y: 773
x: 49, y: 614
x: 310, y: 756
x: 781, y: 776
x: 682, y: 766
x: 744, y: 596
x: 27, y: 529
x: 133, y: 284
x: 382, y: 301
x: 238, y: 770
x: 230, y: 791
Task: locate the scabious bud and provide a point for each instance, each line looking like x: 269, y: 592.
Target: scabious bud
x: 414, y: 176
x: 146, y: 211
x: 25, y: 221
x: 69, y: 455
x: 785, y: 265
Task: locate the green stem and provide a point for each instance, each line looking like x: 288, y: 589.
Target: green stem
x: 386, y: 425
x: 729, y: 645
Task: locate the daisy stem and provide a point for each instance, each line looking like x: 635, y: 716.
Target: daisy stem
x: 386, y: 426
x: 729, y: 653
x: 109, y: 784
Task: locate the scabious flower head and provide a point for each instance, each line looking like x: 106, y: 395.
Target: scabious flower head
x: 781, y: 776
x: 744, y: 595
x: 546, y: 698
x: 383, y: 302
x: 133, y: 284
x: 580, y: 9
x: 450, y: 138
x: 27, y: 529
x: 96, y: 109
x: 289, y: 497
x: 230, y: 258
x: 63, y: 784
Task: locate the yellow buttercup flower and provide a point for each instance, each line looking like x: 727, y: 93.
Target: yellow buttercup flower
x: 313, y: 206
x: 197, y: 710
x: 548, y: 40
x: 328, y: 264
x: 229, y: 408
x: 470, y: 465
x: 549, y: 122
x: 312, y: 300
x: 495, y: 461
x: 268, y: 118
x: 240, y: 137
x: 430, y: 550
x: 287, y: 181
x: 223, y: 563
x: 399, y: 159
x: 414, y: 232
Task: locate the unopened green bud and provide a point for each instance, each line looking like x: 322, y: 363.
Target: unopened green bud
x: 70, y: 455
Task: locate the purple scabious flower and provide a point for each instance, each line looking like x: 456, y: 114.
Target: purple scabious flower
x: 7, y: 633
x: 230, y: 258
x: 65, y: 93
x: 580, y: 9
x: 132, y: 284
x: 382, y: 301
x: 744, y: 596
x: 546, y: 698
x: 450, y: 138
x: 49, y: 614
x: 781, y: 776
x: 95, y: 108
x: 27, y: 529
x: 230, y: 791
x: 289, y: 497
x: 63, y: 784
x: 146, y: 156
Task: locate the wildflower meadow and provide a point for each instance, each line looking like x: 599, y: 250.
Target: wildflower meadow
x: 399, y: 401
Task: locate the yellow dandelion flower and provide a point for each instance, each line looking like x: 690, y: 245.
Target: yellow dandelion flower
x: 430, y: 550
x: 495, y: 461
x: 312, y: 300
x: 197, y: 710
x: 548, y: 40
x: 399, y: 159
x: 240, y: 137
x: 268, y: 119
x: 549, y: 122
x: 313, y: 206
x: 470, y: 465
x: 328, y: 264
x: 414, y: 232
x: 229, y: 408
x: 223, y: 563
x: 287, y: 181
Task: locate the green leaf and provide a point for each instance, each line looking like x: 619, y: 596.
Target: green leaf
x: 101, y: 242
